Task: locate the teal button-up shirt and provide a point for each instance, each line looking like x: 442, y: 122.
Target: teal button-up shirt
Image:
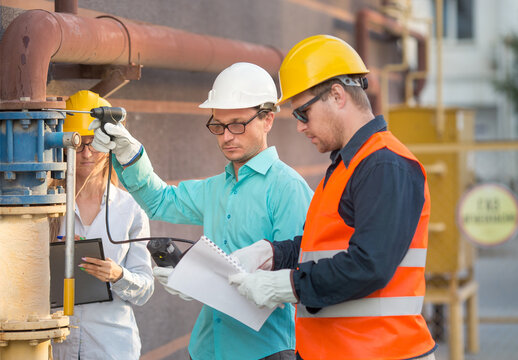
x: 269, y: 201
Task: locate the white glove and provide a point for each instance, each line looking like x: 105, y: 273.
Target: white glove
x: 259, y: 255
x: 162, y: 275
x: 265, y: 288
x: 124, y: 146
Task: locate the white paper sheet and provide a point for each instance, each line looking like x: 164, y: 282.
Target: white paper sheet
x: 202, y: 274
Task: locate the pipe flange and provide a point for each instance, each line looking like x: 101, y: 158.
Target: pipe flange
x: 27, y: 104
x: 34, y: 210
x: 35, y: 323
x: 35, y: 330
x: 34, y: 335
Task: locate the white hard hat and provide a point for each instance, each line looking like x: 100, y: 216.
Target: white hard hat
x: 240, y: 86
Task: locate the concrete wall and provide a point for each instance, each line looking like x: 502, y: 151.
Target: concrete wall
x: 179, y: 145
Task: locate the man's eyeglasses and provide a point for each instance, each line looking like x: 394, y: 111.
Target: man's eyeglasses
x: 234, y: 128
x: 83, y: 145
x: 300, y: 112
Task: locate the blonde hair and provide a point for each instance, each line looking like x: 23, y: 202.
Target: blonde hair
x: 101, y: 168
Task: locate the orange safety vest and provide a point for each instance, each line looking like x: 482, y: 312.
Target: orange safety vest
x: 388, y: 323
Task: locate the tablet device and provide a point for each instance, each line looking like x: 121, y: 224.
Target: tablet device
x: 88, y: 289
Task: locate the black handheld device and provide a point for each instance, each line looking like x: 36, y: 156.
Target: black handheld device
x: 164, y: 251
x: 108, y: 114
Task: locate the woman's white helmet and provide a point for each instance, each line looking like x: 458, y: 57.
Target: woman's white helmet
x: 240, y: 86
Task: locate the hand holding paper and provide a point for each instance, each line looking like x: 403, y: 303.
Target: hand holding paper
x: 265, y: 288
x: 259, y: 255
x: 162, y: 274
x: 203, y: 272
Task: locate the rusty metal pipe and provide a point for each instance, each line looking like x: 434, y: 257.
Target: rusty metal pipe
x: 37, y: 37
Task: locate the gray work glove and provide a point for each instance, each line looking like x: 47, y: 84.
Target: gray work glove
x: 162, y: 275
x: 124, y: 146
x: 259, y: 255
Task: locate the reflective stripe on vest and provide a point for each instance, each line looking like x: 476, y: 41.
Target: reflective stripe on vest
x: 380, y: 306
x: 414, y: 257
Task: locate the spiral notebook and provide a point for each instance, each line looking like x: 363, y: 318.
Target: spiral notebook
x: 202, y: 274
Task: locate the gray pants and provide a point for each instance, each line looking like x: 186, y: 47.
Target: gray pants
x: 427, y: 357
x: 283, y: 355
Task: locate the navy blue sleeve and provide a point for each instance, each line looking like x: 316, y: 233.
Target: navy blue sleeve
x: 286, y: 253
x: 383, y: 202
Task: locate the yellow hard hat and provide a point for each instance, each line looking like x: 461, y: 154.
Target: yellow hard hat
x: 82, y: 100
x: 314, y: 60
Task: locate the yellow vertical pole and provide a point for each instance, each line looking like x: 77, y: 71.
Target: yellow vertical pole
x: 439, y: 33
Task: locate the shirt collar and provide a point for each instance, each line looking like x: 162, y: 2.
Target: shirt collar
x: 260, y: 163
x: 359, y: 138
x: 113, y: 195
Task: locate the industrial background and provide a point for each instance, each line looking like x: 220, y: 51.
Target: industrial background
x: 158, y: 59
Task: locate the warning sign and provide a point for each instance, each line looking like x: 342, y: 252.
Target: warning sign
x: 487, y: 214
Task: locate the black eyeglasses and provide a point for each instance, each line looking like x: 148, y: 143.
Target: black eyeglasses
x: 83, y: 145
x: 300, y: 112
x: 234, y: 128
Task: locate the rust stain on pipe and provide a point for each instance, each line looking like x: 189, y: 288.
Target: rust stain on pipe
x: 37, y: 37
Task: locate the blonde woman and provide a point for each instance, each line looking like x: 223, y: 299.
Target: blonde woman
x: 106, y: 330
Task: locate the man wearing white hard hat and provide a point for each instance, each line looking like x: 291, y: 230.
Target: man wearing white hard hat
x: 257, y: 196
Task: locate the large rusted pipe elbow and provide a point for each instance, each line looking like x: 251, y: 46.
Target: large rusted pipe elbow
x: 25, y: 51
x: 37, y: 36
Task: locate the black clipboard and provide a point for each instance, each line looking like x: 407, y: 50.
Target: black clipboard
x: 88, y: 289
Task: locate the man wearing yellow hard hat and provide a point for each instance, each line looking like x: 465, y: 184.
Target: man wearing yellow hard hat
x: 357, y: 271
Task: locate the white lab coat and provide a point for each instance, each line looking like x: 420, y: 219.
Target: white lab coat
x: 108, y: 330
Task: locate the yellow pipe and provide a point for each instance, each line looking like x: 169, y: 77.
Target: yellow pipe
x: 24, y: 284
x: 24, y: 262
x: 436, y: 227
x: 440, y: 118
x: 68, y: 297
x: 438, y: 168
x: 33, y: 350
